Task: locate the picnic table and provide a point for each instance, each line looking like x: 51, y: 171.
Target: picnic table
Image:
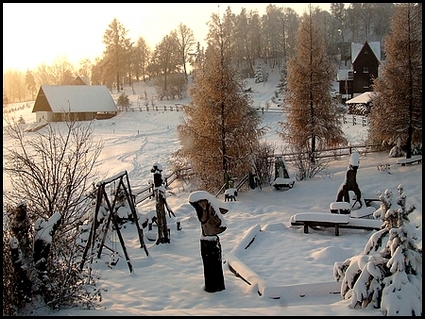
x: 312, y: 219
x: 337, y: 221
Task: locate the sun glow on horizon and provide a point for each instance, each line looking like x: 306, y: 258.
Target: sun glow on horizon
x: 35, y: 34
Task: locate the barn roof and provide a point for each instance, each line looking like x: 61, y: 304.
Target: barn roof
x: 363, y: 98
x: 74, y: 98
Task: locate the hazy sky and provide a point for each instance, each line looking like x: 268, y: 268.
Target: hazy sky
x: 37, y: 33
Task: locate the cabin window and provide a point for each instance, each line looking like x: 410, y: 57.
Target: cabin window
x: 365, y: 69
x: 366, y: 85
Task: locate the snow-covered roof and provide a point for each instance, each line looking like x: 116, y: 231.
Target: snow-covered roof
x: 363, y: 98
x: 356, y: 48
x: 74, y: 98
x: 343, y: 75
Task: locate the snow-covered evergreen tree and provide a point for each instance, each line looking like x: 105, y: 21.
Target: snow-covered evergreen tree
x: 389, y: 279
x: 258, y: 74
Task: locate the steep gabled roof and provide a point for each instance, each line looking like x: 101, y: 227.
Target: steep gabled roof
x: 74, y: 98
x: 79, y: 81
x: 357, y: 47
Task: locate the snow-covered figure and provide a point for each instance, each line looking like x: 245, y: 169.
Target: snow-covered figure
x: 397, y: 150
x: 389, y: 279
x: 209, y: 211
x: 350, y: 182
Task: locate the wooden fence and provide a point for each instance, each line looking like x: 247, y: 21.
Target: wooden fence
x: 148, y: 191
x: 355, y: 119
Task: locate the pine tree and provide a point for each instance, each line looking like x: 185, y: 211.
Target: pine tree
x: 258, y: 73
x: 115, y: 54
x: 389, y: 279
x: 220, y: 129
x: 311, y: 123
x: 397, y: 108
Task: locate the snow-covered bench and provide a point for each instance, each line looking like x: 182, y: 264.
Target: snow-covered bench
x: 230, y: 194
x: 340, y: 208
x: 413, y: 159
x: 368, y: 200
x: 314, y: 219
x: 363, y: 223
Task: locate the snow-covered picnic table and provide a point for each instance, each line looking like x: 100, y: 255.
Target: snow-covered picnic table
x: 312, y: 219
x: 315, y: 219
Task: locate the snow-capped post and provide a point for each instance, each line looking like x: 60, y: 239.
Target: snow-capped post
x: 350, y: 182
x: 209, y: 211
x: 163, y: 233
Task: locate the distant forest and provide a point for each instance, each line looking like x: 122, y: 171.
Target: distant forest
x: 267, y: 38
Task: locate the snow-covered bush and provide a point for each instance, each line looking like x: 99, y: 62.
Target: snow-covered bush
x: 123, y: 102
x: 389, y: 279
x: 43, y: 209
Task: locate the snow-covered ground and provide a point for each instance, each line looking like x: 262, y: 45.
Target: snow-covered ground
x: 298, y: 266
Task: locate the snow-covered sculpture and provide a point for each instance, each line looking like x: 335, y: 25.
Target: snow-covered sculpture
x: 350, y: 182
x: 209, y: 211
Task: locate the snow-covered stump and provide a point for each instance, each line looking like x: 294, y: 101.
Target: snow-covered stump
x: 209, y: 210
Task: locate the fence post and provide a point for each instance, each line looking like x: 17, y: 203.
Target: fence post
x: 364, y: 121
x: 354, y: 120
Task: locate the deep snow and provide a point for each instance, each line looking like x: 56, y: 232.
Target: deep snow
x: 280, y: 260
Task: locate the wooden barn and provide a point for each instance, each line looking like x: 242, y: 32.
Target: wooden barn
x: 54, y: 103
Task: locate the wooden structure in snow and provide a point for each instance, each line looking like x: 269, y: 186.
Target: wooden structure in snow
x: 282, y: 177
x: 102, y: 199
x: 57, y: 103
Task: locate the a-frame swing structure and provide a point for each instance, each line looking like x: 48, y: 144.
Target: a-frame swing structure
x: 112, y: 216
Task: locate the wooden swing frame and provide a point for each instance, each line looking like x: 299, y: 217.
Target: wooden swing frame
x: 102, y: 195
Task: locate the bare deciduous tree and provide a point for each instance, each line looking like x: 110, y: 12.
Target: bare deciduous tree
x: 50, y: 173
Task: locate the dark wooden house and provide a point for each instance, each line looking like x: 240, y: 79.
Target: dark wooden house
x: 364, y: 67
